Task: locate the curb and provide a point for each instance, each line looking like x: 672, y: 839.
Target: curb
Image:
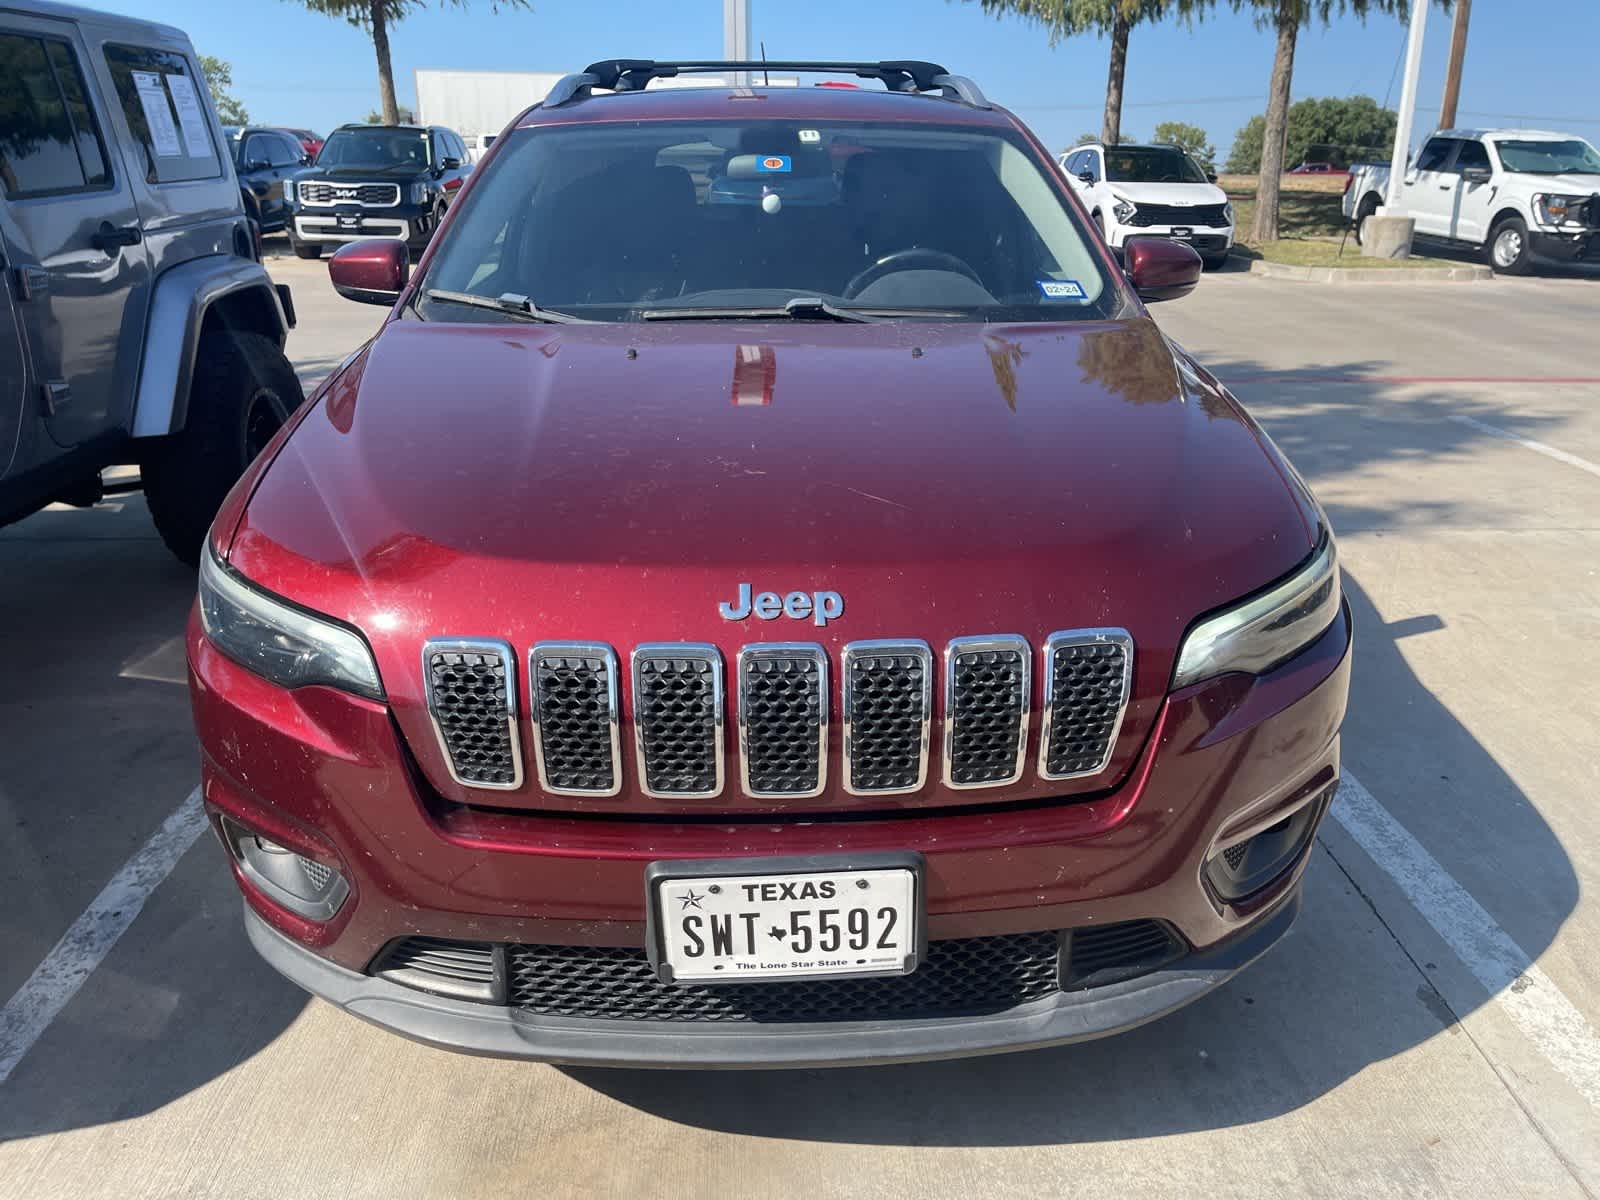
x: 1465, y: 273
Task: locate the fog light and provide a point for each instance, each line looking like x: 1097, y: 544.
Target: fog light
x: 1256, y: 863
x: 300, y: 884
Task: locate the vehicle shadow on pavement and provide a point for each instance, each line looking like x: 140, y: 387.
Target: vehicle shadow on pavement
x: 1340, y: 993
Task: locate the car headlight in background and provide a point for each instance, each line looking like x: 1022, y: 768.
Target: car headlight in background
x: 1123, y: 209
x: 1263, y: 631
x: 417, y: 193
x: 1227, y: 211
x: 281, y: 643
x: 288, y: 191
x: 1552, y: 209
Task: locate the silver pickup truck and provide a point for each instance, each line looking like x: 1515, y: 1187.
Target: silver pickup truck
x: 1516, y: 194
x: 137, y: 324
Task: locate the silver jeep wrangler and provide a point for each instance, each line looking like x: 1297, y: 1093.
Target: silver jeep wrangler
x: 137, y: 325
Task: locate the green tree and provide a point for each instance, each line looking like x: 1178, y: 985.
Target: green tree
x: 1285, y: 18
x: 375, y: 17
x: 403, y: 116
x: 1192, y: 138
x: 1113, y: 18
x: 1337, y: 130
x: 219, y: 78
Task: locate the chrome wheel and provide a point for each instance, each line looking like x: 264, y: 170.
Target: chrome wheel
x: 1507, y: 247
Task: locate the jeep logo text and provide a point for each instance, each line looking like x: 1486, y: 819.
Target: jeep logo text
x: 821, y: 607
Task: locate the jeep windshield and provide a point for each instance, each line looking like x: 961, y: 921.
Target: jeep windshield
x: 796, y: 220
x: 378, y: 148
x: 1151, y: 164
x: 1571, y: 157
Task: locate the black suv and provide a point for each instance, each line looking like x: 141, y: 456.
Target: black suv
x: 265, y: 161
x: 391, y: 181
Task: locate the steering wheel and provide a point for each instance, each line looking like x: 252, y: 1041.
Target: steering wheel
x: 913, y: 258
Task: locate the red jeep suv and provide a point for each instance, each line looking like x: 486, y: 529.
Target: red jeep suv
x: 768, y: 595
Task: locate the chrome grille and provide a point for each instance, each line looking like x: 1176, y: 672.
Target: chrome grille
x: 677, y: 719
x: 987, y: 695
x: 1087, y: 677
x: 575, y: 719
x: 888, y: 708
x: 374, y: 195
x: 472, y: 699
x: 783, y: 719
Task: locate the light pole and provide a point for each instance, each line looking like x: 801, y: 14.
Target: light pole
x: 736, y: 37
x: 1387, y: 233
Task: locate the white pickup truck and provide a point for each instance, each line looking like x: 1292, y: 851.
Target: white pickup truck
x: 1517, y: 194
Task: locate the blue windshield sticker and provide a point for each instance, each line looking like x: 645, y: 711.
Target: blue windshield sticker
x: 773, y: 164
x: 1062, y: 289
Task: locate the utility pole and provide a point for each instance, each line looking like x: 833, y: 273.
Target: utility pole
x: 1408, y: 104
x: 1452, y: 74
x: 736, y: 37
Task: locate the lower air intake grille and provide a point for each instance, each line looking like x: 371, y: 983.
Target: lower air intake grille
x: 472, y: 699
x: 575, y: 718
x: 315, y: 872
x: 783, y: 717
x: 888, y: 700
x: 1108, y: 953
x: 986, y: 711
x: 677, y: 718
x: 967, y: 975
x: 1087, y: 677
x: 462, y: 969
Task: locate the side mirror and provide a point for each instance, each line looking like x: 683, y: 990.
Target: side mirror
x: 1211, y: 176
x: 450, y: 164
x: 305, y: 160
x: 1476, y: 174
x: 257, y: 164
x: 1086, y: 176
x: 1160, y: 269
x: 371, y: 271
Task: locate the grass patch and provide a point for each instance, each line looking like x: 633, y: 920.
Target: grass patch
x: 1311, y: 223
x: 1314, y: 252
x: 1300, y: 214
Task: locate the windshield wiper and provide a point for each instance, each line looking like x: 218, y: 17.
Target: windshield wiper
x: 801, y: 308
x: 511, y: 304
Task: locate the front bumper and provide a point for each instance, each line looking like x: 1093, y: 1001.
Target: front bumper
x: 1205, y: 240
x: 499, y: 1032
x: 328, y: 775
x: 407, y: 223
x: 1583, y: 246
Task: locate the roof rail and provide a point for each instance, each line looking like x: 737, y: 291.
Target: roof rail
x: 634, y: 74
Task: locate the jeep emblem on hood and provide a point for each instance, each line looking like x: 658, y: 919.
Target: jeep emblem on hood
x: 821, y: 607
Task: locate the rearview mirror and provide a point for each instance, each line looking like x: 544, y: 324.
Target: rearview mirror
x: 1476, y: 174
x: 371, y: 271
x: 1159, y: 269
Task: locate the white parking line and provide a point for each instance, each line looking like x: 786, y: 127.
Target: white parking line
x: 1572, y: 460
x: 1535, y: 1005
x: 73, y: 959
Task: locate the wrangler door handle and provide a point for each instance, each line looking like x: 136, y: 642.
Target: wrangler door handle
x: 109, y: 237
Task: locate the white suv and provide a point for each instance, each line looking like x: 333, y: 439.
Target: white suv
x: 1152, y: 191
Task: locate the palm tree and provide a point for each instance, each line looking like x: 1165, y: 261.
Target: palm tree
x: 376, y: 16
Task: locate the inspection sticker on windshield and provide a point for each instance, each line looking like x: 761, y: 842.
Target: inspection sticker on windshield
x: 1062, y: 289
x: 773, y: 164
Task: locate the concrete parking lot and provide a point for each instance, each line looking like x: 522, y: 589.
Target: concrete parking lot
x: 1429, y: 1029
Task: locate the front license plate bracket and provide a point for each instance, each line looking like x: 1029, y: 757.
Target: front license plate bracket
x: 658, y: 873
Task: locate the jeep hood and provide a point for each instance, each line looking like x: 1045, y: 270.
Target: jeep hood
x: 617, y: 483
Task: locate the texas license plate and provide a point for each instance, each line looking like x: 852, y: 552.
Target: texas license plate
x: 733, y: 928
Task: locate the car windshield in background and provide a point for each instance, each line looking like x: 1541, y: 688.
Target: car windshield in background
x: 719, y: 220
x: 376, y: 149
x: 1573, y: 157
x: 1147, y: 164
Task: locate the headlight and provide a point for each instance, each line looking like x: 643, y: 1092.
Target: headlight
x: 1227, y: 211
x: 1263, y: 631
x: 1556, y: 210
x: 418, y: 193
x: 288, y: 191
x: 281, y: 643
x: 1123, y: 209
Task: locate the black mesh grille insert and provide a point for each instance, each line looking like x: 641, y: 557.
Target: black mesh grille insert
x: 1208, y: 215
x: 1088, y: 688
x: 784, y: 720
x: 1106, y: 953
x: 887, y: 697
x: 1235, y: 855
x: 987, y: 697
x: 462, y: 969
x: 467, y: 694
x: 676, y: 703
x: 966, y: 975
x: 574, y: 707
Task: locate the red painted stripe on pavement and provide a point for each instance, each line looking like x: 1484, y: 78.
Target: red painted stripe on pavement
x: 1296, y: 377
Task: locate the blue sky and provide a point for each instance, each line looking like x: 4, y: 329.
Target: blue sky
x: 294, y: 67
